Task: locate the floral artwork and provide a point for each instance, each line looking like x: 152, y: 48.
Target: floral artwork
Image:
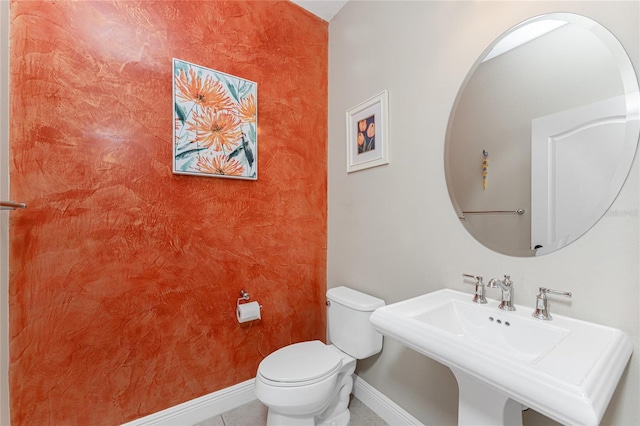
x: 367, y: 134
x: 215, y: 115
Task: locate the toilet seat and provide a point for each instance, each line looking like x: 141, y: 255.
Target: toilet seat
x: 300, y: 364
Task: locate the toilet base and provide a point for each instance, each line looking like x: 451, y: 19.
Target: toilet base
x: 277, y: 419
x: 341, y: 419
x: 335, y: 414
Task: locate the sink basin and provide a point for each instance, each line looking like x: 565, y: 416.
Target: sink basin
x: 522, y: 340
x: 566, y: 369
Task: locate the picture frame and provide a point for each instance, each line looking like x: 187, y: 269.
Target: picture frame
x: 215, y: 118
x: 367, y: 133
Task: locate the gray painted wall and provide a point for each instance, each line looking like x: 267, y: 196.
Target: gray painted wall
x: 392, y: 229
x: 4, y: 215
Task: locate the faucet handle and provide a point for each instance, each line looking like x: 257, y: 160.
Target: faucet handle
x: 479, y: 296
x: 542, y: 303
x: 475, y: 277
x: 544, y: 291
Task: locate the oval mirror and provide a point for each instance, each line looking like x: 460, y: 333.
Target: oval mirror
x: 542, y: 134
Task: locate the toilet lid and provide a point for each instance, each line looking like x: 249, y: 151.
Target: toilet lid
x: 300, y: 362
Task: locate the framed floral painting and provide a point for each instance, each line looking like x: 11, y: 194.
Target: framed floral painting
x: 215, y: 123
x: 367, y: 134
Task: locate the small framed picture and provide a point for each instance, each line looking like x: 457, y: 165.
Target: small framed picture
x: 367, y: 134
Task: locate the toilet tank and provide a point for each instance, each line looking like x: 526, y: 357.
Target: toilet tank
x: 349, y: 327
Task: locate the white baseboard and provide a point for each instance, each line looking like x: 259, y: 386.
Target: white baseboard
x: 216, y: 403
x: 200, y: 409
x: 389, y: 411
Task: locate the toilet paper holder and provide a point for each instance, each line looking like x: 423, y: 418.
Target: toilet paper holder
x: 244, y: 297
x: 247, y: 311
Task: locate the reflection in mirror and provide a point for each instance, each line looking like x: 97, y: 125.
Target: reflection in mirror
x: 542, y: 134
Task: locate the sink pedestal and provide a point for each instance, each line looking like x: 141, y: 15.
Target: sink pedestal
x: 480, y: 404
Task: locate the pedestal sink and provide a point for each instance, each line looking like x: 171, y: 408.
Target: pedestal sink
x: 566, y: 369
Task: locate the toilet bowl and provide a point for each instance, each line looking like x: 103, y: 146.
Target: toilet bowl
x: 300, y: 381
x: 309, y: 383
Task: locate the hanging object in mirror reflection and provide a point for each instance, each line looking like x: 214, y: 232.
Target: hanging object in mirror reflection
x: 485, y: 166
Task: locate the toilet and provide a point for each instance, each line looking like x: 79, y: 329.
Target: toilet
x: 309, y: 383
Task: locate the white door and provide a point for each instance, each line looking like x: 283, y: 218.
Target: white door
x: 575, y: 158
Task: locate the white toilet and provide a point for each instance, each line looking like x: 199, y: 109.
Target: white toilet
x: 309, y: 383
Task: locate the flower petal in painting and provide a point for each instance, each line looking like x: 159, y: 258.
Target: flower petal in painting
x: 247, y: 109
x: 220, y: 165
x: 371, y: 130
x: 209, y: 93
x: 219, y: 130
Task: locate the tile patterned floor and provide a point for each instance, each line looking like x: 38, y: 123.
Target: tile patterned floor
x: 255, y: 414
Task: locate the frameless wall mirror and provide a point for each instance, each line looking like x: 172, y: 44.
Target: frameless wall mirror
x: 542, y: 134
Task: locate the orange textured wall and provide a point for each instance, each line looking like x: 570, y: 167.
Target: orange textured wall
x: 123, y: 276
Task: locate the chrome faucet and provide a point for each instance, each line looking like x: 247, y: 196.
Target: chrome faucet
x: 506, y: 285
x: 479, y: 296
x: 542, y: 303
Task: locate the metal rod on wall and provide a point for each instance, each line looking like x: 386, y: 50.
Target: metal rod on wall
x: 519, y: 212
x: 11, y: 205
